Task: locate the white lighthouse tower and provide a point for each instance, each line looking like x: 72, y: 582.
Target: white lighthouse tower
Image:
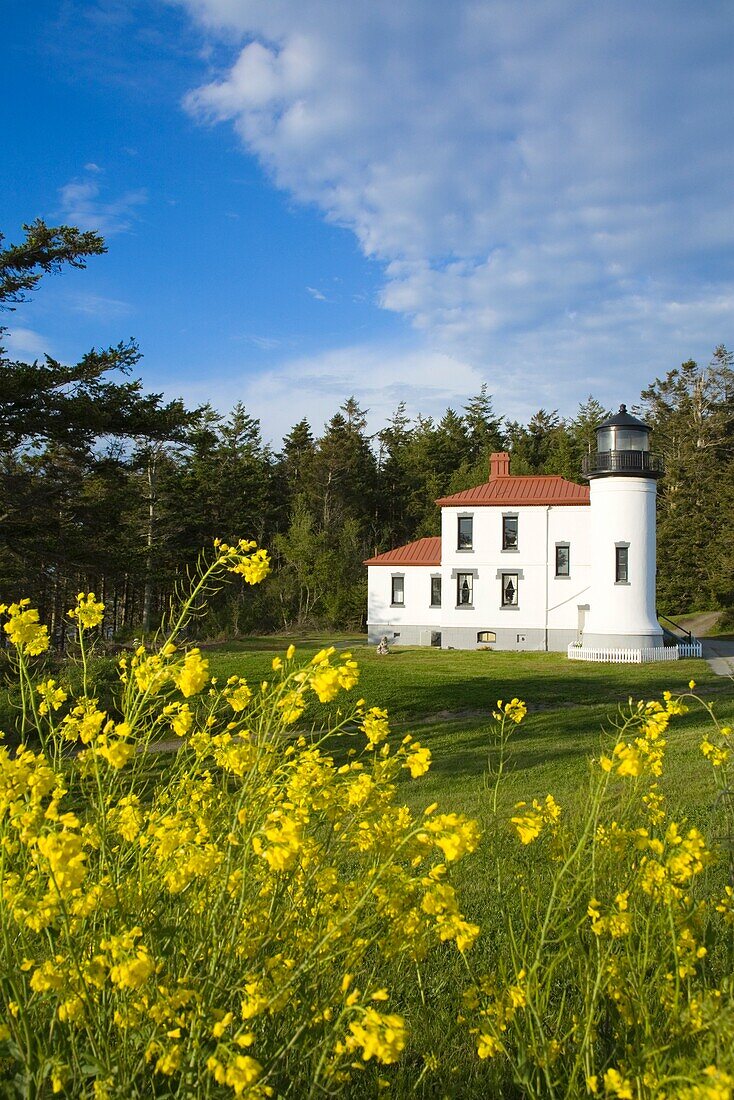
x: 623, y: 486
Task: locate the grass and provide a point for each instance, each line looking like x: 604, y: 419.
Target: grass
x: 445, y: 699
x: 417, y: 682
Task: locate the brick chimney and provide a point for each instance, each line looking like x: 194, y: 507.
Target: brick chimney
x: 499, y: 465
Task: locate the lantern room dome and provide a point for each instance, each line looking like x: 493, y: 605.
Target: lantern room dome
x: 623, y: 432
x: 622, y: 448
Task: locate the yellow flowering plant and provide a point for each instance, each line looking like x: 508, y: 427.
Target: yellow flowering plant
x: 607, y: 984
x: 224, y: 920
x: 506, y: 718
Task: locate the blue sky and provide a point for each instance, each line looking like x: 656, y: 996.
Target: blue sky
x: 402, y: 201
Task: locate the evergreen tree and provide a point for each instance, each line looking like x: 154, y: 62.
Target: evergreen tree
x: 691, y: 412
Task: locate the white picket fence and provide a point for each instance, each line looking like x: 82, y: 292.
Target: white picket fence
x: 690, y: 649
x: 634, y: 656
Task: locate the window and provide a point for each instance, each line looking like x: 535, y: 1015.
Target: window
x: 436, y: 638
x: 563, y: 559
x: 464, y: 589
x: 509, y: 589
x: 466, y: 533
x: 435, y: 591
x: 398, y: 591
x: 509, y: 532
x: 485, y: 636
x: 621, y: 574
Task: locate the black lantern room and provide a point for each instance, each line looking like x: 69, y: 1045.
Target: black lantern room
x: 622, y: 449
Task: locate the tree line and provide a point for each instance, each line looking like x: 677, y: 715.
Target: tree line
x: 108, y: 488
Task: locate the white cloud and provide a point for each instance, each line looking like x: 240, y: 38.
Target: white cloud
x: 317, y: 294
x: 544, y: 184
x: 83, y: 205
x: 315, y: 386
x: 24, y: 344
x: 97, y: 305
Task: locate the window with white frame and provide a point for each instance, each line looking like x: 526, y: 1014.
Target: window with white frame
x: 464, y: 589
x: 398, y: 591
x: 435, y: 591
x: 465, y: 533
x: 509, y: 589
x: 509, y: 532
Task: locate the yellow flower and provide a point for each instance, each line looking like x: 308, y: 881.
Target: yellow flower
x: 418, y: 760
x: 325, y: 682
x: 66, y: 859
x: 88, y: 612
x: 182, y: 720
x: 130, y: 962
x: 253, y: 567
x: 529, y: 825
x: 617, y: 1085
x: 24, y: 630
x: 348, y: 672
x: 291, y: 705
x: 375, y: 725
x: 59, y: 1076
x: 726, y: 905
x: 221, y: 1025
x: 488, y: 1045
x: 193, y: 675
x: 283, y: 836
x: 52, y: 696
x: 238, y: 697
x: 380, y: 1036
x: 714, y: 755
x: 630, y: 761
x: 116, y: 751
x: 454, y: 834
x: 515, y: 710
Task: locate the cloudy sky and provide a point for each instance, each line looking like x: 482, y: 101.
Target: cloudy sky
x: 305, y: 199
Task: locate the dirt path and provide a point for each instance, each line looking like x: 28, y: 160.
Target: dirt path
x: 700, y: 625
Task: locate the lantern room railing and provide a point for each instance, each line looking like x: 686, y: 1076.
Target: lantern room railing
x: 623, y: 462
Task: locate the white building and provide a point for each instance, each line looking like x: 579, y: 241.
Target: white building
x: 533, y: 562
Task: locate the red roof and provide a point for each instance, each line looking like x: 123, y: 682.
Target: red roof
x: 509, y: 491
x: 421, y: 552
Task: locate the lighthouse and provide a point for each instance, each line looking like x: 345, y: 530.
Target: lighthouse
x: 622, y: 475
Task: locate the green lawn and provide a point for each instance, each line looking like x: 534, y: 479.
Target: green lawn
x: 445, y: 698
x: 417, y: 681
